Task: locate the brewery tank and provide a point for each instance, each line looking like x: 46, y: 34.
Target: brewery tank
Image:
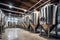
x: 48, y: 16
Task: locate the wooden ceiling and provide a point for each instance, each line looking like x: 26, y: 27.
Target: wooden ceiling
x: 21, y: 3
x: 25, y: 4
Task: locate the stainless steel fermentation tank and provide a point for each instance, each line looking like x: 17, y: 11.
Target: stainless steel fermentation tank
x: 48, y: 17
x: 26, y: 21
x: 21, y: 22
x: 33, y: 20
x: 2, y: 21
x: 14, y: 22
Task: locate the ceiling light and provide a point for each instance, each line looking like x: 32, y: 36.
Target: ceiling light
x: 25, y: 10
x: 10, y: 6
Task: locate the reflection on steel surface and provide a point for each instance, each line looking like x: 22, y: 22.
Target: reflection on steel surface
x: 48, y: 14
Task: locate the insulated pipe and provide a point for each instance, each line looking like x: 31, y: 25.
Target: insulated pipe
x: 11, y: 11
x: 13, y: 6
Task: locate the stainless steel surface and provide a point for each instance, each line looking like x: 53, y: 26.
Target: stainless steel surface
x: 2, y: 21
x: 48, y: 13
x: 34, y: 17
x: 48, y: 18
x: 19, y: 21
x: 2, y: 17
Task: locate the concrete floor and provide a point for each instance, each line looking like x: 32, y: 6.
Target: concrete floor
x: 26, y: 35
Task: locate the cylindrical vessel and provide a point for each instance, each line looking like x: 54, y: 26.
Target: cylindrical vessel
x: 26, y: 21
x: 2, y: 21
x: 48, y: 16
x: 2, y: 18
x: 34, y: 19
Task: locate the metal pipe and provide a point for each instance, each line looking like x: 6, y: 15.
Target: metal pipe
x: 34, y: 5
x: 13, y: 7
x: 42, y: 4
x: 29, y: 8
x: 11, y: 11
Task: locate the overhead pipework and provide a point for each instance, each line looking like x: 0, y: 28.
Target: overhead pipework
x: 34, y: 5
x: 12, y: 11
x: 42, y: 4
x: 10, y: 6
x: 37, y: 6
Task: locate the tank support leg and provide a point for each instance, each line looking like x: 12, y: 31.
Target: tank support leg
x: 56, y: 31
x: 0, y: 32
x: 33, y: 30
x: 40, y: 30
x: 48, y: 32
